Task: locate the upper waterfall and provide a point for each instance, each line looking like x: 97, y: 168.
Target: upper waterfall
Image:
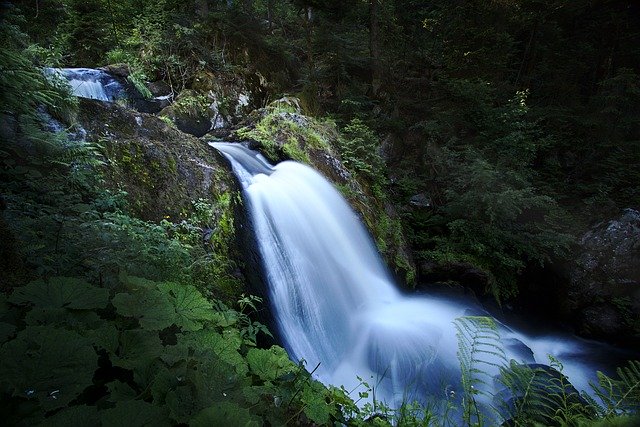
x: 91, y: 83
x: 336, y: 306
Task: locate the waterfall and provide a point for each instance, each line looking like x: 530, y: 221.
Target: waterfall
x: 90, y: 83
x: 335, y: 304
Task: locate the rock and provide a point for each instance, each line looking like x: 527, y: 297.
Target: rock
x: 605, y: 280
x: 190, y: 113
x: 159, y: 88
x: 421, y: 200
x: 119, y: 70
x: 601, y: 321
x: 162, y: 169
x: 462, y: 273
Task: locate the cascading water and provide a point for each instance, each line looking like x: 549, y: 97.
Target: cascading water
x: 336, y: 306
x: 90, y: 83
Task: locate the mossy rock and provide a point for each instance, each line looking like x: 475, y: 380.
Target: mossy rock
x: 162, y: 169
x: 190, y: 112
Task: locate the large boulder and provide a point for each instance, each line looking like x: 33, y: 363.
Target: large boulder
x: 215, y: 101
x: 605, y: 281
x: 161, y: 169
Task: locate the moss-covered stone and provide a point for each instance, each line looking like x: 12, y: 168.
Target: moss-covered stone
x: 161, y: 169
x: 164, y: 172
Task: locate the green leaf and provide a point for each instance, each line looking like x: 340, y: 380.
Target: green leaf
x: 139, y: 350
x: 163, y: 382
x: 225, y: 414
x: 192, y: 309
x: 152, y: 308
x: 134, y: 413
x: 269, y: 364
x: 77, y: 320
x: 182, y: 404
x: 49, y: 364
x: 224, y: 347
x: 79, y: 416
x: 106, y: 337
x: 119, y: 391
x: 61, y: 292
x: 315, y: 406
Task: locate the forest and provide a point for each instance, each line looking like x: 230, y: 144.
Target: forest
x: 491, y: 148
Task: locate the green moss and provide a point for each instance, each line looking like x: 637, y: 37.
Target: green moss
x: 191, y: 104
x: 283, y: 132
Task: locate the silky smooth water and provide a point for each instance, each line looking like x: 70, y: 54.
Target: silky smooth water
x: 336, y: 306
x: 91, y: 83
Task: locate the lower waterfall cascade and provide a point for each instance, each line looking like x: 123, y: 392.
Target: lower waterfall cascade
x: 335, y: 305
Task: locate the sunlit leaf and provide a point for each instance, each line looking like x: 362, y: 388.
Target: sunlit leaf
x: 192, y: 309
x: 269, y: 364
x: 315, y: 406
x: 224, y: 347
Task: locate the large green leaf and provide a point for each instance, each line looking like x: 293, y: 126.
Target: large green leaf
x: 165, y: 381
x: 134, y: 413
x: 315, y: 405
x: 269, y: 364
x: 77, y: 320
x: 139, y: 351
x: 75, y: 416
x: 192, y: 309
x: 225, y: 414
x: 105, y: 336
x: 49, y: 364
x: 61, y: 292
x: 119, y: 391
x: 225, y: 347
x: 151, y: 307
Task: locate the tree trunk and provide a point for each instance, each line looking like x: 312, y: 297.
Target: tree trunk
x: 374, y: 46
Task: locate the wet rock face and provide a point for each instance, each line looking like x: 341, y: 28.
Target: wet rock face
x: 605, y: 282
x: 161, y: 169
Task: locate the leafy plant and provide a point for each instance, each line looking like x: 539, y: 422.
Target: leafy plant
x: 618, y: 395
x: 481, y: 355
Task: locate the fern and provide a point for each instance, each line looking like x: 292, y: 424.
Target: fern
x: 480, y: 355
x: 618, y: 395
x: 541, y: 393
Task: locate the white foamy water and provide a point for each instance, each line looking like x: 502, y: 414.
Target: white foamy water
x: 336, y: 305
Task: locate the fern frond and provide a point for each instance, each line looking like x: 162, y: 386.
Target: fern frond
x: 543, y: 394
x: 481, y: 356
x: 621, y: 395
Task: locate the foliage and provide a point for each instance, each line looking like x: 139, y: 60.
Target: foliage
x: 480, y: 354
x: 621, y: 394
x: 520, y: 394
x: 543, y: 394
x: 156, y: 348
x: 359, y: 150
